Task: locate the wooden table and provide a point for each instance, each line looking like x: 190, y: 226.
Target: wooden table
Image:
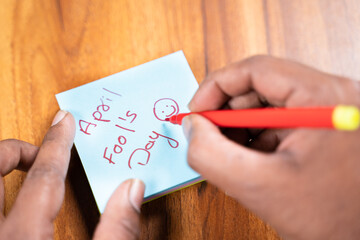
x: 49, y: 46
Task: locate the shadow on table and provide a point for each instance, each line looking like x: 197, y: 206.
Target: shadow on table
x: 83, y: 193
x: 154, y: 218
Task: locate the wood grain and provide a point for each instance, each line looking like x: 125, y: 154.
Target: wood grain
x: 49, y: 46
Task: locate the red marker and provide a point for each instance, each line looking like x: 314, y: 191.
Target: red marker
x: 339, y: 117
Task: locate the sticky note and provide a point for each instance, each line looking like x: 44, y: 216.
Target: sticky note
x: 121, y: 132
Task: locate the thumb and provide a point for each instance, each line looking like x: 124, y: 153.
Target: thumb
x: 221, y: 161
x: 121, y: 218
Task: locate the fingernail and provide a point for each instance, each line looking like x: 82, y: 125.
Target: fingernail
x: 136, y: 194
x: 186, y: 125
x: 58, y: 117
x: 190, y: 106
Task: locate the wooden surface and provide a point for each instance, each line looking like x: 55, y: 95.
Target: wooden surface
x: 48, y: 46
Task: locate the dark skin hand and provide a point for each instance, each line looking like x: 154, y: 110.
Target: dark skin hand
x: 303, y: 182
x: 42, y: 193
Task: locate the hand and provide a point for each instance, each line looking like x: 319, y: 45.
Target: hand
x: 42, y: 193
x: 304, y: 182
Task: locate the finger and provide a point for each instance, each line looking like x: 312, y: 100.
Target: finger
x: 248, y: 100
x: 269, y: 139
x: 280, y: 82
x: 121, y: 218
x: 14, y: 154
x: 209, y: 96
x: 226, y: 164
x: 42, y: 193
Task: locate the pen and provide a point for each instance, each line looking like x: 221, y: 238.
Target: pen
x: 340, y: 117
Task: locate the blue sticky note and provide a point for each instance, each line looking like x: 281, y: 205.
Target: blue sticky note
x: 121, y: 132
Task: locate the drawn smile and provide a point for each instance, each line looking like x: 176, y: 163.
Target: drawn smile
x: 172, y: 112
x: 163, y: 106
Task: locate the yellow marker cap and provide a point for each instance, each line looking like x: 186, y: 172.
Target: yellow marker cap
x: 346, y: 117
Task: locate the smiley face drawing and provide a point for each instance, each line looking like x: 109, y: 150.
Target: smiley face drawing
x: 165, y: 108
